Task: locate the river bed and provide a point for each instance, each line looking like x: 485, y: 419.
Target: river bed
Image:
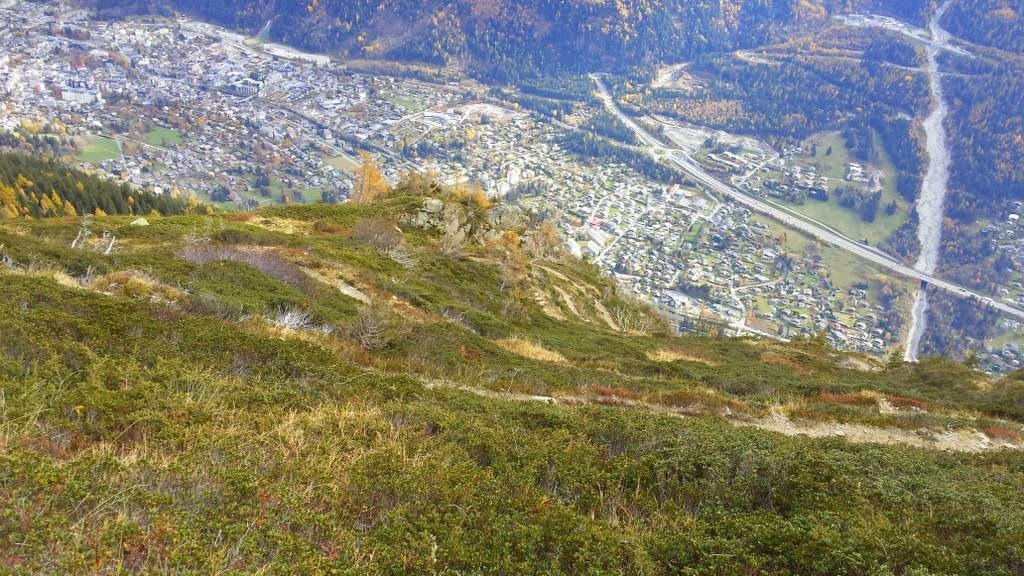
x: 932, y: 199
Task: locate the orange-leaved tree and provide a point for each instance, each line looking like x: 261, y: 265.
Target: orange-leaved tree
x: 370, y: 183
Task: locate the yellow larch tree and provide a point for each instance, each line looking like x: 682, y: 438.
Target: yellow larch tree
x: 370, y: 183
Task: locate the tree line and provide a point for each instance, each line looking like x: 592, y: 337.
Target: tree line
x: 32, y: 187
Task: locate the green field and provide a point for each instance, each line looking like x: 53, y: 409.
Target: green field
x: 407, y: 103
x: 845, y: 269
x: 1005, y: 337
x: 843, y: 219
x: 163, y: 137
x: 343, y: 162
x: 312, y: 195
x: 96, y: 149
x: 833, y: 165
x: 762, y: 306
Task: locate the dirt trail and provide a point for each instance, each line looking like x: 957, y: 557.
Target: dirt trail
x: 550, y: 309
x: 954, y: 441
x: 569, y: 303
x: 581, y: 287
x: 341, y: 285
x: 970, y: 441
x: 606, y: 316
x: 585, y: 290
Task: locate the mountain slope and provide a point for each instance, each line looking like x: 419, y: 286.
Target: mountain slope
x: 426, y: 384
x: 509, y: 41
x: 500, y: 39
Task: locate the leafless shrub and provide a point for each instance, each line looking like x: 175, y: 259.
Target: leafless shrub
x: 83, y: 231
x: 398, y: 420
x: 196, y: 237
x: 89, y: 277
x: 370, y: 329
x: 377, y: 233
x: 5, y: 259
x: 402, y: 257
x: 296, y: 319
x: 107, y: 243
x: 292, y: 319
x: 265, y: 261
x: 458, y: 317
x: 242, y: 364
x: 631, y: 320
x: 640, y: 318
x: 41, y: 267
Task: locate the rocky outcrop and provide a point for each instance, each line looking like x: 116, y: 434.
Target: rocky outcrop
x: 455, y: 221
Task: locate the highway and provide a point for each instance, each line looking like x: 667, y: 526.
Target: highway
x: 687, y: 164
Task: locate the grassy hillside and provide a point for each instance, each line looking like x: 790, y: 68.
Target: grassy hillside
x: 423, y: 386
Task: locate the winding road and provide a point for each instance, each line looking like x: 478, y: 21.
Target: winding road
x: 688, y: 165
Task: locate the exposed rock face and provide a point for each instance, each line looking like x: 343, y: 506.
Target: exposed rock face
x: 433, y: 206
x: 453, y: 220
x: 505, y: 217
x: 455, y: 224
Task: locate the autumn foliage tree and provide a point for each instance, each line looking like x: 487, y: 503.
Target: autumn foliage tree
x: 370, y: 183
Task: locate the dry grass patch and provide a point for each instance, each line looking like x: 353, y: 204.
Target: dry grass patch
x: 701, y: 400
x: 15, y: 229
x: 283, y: 225
x: 60, y: 277
x: 863, y: 398
x: 569, y: 303
x: 545, y: 304
x: 667, y: 355
x: 37, y: 270
x: 983, y: 384
x: 240, y: 217
x: 137, y: 285
x: 530, y: 350
x: 341, y: 347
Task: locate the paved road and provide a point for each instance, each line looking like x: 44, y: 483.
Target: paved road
x: 687, y: 164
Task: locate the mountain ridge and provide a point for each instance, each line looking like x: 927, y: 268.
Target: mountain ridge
x: 507, y: 41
